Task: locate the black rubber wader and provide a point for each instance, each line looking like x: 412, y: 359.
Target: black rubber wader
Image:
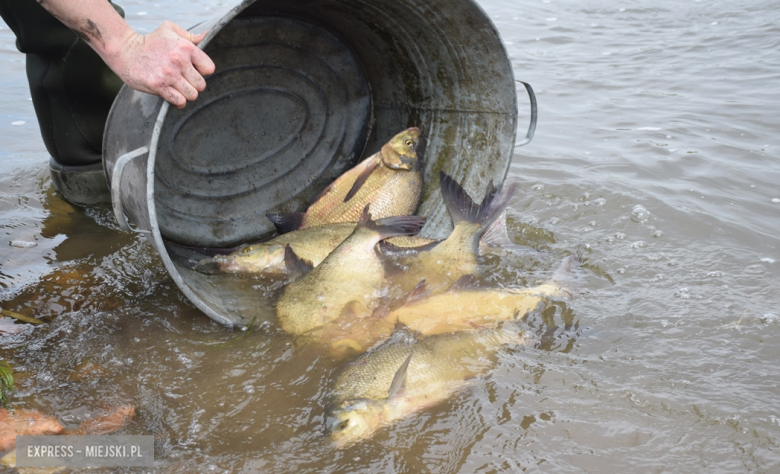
x: 72, y: 91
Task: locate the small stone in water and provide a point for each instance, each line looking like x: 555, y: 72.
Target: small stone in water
x: 22, y: 244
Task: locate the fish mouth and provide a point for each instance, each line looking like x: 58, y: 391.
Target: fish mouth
x: 405, y: 163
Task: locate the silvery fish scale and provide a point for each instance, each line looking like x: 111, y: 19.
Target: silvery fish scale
x: 303, y: 90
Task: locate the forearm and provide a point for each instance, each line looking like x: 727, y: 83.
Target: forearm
x: 166, y: 62
x: 94, y: 21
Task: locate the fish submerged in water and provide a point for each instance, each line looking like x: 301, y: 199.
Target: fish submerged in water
x: 462, y: 308
x: 457, y: 255
x: 348, y: 283
x: 390, y: 180
x: 466, y: 309
x: 403, y: 377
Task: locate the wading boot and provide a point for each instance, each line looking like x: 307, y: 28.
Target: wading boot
x: 72, y: 91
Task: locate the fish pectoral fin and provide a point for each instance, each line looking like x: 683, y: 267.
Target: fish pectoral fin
x: 286, y: 222
x: 353, y: 309
x: 296, y: 265
x: 361, y: 179
x: 419, y: 292
x: 399, y: 381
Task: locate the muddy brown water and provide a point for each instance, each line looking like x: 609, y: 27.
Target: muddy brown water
x: 657, y: 149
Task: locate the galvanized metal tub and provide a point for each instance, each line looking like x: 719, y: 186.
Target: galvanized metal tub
x: 303, y: 91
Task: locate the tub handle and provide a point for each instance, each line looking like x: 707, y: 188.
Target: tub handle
x: 532, y: 127
x: 116, y: 183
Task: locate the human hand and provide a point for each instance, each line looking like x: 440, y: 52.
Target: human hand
x: 166, y: 62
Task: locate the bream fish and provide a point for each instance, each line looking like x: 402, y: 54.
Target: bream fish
x: 405, y: 376
x: 348, y: 283
x: 390, y: 180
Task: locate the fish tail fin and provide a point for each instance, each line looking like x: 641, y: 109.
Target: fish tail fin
x: 296, y: 265
x: 496, y: 238
x: 462, y: 208
x: 569, y: 275
x: 286, y: 222
x: 391, y: 226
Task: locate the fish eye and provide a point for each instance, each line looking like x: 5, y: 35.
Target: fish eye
x: 409, y: 143
x: 343, y: 425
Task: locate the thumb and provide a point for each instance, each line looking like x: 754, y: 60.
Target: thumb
x: 193, y: 38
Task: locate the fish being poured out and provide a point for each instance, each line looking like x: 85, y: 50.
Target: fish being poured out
x: 463, y: 307
x: 348, y: 283
x: 403, y: 377
x: 312, y: 244
x: 390, y: 180
x: 457, y: 255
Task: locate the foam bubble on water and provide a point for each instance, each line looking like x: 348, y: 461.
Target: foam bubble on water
x: 601, y: 202
x: 768, y: 260
x: 682, y: 293
x: 640, y: 244
x: 552, y: 19
x: 651, y: 129
x: 18, y: 123
x: 537, y: 187
x: 621, y: 270
x: 508, y: 43
x: 142, y: 13
x: 658, y: 234
x: 769, y: 318
x: 622, y: 10
x: 775, y: 199
x: 620, y: 235
x: 22, y: 244
x: 249, y: 389
x: 714, y: 23
x: 639, y: 214
x: 554, y: 220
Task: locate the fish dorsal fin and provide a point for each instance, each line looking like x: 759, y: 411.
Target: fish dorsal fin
x: 361, y: 179
x: 286, y: 222
x: 466, y: 282
x: 399, y: 381
x: 296, y: 265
